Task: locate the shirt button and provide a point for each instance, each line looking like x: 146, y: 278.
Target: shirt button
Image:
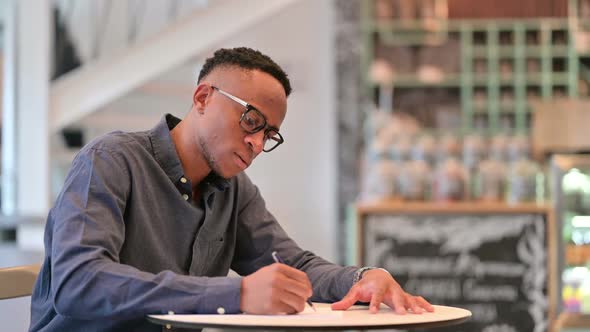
x: 183, y: 179
x: 185, y: 196
x: 220, y: 310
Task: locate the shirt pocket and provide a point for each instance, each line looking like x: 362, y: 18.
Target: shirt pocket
x: 208, y: 259
x: 215, y: 248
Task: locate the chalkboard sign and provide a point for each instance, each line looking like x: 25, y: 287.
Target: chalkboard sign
x: 496, y: 266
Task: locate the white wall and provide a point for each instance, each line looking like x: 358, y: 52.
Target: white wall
x: 298, y: 179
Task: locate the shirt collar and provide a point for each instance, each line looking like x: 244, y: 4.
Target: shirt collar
x: 166, y: 155
x: 217, y: 181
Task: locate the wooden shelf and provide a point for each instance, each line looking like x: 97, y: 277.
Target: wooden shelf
x: 495, y: 54
x: 503, y: 24
x: 414, y: 81
x: 400, y: 206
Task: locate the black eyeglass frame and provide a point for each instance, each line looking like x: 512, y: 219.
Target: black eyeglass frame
x: 249, y: 108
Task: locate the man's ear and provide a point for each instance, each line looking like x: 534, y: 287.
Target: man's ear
x: 201, y: 97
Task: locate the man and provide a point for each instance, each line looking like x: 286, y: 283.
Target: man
x: 151, y: 222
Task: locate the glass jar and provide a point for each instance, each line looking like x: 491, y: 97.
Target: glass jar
x: 425, y: 149
x: 474, y: 151
x: 379, y: 173
x: 499, y: 147
x: 380, y: 180
x: 490, y: 181
x: 522, y: 181
x: 449, y: 147
x: 519, y: 148
x: 450, y: 181
x: 400, y: 150
x: 414, y: 180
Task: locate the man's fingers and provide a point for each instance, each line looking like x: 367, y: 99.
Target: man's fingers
x: 399, y: 302
x: 424, y: 304
x: 292, y: 272
x: 287, y: 302
x: 279, y: 308
x: 296, y: 287
x: 412, y: 305
x: 416, y: 303
x: 348, y: 300
x: 376, y: 300
x: 275, y: 289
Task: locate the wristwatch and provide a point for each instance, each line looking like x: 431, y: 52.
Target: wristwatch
x: 358, y: 275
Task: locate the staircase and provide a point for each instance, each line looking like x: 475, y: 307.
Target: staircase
x: 94, y: 85
x: 155, y: 65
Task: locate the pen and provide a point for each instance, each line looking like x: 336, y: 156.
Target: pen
x: 278, y: 259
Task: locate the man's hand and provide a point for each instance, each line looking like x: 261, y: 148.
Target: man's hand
x: 275, y: 289
x: 376, y: 287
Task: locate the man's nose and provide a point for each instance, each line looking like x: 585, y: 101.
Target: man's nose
x: 256, y: 141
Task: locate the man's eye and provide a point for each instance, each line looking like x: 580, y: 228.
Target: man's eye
x: 250, y: 121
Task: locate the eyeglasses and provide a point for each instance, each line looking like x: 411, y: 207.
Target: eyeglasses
x: 253, y: 121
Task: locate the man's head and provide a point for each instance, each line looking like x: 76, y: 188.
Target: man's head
x: 245, y: 58
x: 238, y: 108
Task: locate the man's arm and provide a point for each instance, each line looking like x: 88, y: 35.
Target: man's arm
x: 259, y: 234
x: 88, y: 232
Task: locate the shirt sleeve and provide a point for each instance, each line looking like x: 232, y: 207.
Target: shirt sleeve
x: 259, y: 234
x: 88, y: 231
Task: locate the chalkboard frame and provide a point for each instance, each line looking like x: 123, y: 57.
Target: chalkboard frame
x: 397, y: 207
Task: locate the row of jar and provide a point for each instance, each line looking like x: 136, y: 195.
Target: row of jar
x: 416, y: 180
x: 471, y: 149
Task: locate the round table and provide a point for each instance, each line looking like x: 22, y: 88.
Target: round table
x: 356, y: 317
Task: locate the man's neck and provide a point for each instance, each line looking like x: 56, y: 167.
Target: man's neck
x: 193, y: 163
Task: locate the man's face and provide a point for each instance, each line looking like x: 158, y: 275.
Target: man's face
x: 227, y: 148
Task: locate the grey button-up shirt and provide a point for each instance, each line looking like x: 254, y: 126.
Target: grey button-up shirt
x: 125, y: 239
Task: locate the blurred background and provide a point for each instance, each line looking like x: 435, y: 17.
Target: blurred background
x: 444, y: 140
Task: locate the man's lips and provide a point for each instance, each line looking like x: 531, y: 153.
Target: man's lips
x: 245, y: 162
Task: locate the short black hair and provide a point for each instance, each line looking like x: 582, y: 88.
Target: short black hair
x: 246, y: 58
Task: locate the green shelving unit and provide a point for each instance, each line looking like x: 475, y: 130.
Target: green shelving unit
x: 503, y: 62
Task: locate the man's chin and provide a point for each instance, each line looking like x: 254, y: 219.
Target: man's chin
x: 227, y: 175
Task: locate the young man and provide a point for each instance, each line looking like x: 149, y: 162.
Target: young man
x: 151, y: 222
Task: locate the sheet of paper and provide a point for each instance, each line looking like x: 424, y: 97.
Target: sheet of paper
x: 309, y: 313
